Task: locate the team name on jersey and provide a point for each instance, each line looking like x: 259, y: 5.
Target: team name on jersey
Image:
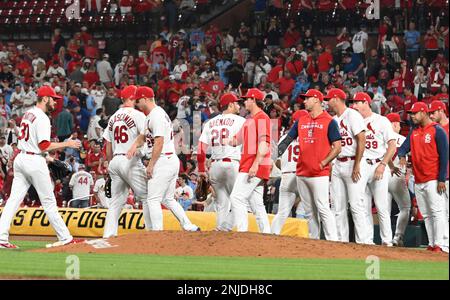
x: 311, y: 125
x: 29, y: 116
x: 126, y: 118
x: 221, y: 122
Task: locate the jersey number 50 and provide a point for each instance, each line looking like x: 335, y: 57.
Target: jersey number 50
x: 120, y: 134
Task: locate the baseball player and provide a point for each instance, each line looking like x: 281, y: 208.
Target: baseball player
x: 428, y: 145
x: 81, y: 183
x: 224, y: 158
x: 124, y: 127
x: 255, y: 164
x: 320, y: 142
x: 380, y: 148
x: 288, y: 184
x: 30, y: 168
x: 398, y: 189
x: 162, y: 170
x: 348, y: 169
x: 437, y: 111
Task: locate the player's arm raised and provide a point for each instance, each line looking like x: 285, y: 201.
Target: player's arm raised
x: 138, y: 142
x: 49, y: 146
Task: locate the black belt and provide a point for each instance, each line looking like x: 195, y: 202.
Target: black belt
x: 373, y: 161
x: 293, y: 172
x: 117, y: 154
x: 31, y: 153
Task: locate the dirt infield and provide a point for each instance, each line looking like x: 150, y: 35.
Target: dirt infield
x: 244, y: 245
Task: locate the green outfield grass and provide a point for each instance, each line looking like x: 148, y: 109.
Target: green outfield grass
x: 116, y: 266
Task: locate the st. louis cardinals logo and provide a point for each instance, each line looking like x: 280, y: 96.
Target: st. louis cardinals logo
x: 427, y: 138
x: 369, y: 126
x: 343, y: 125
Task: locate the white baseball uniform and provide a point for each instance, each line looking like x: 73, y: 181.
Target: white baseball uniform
x: 30, y: 168
x: 224, y: 163
x: 345, y: 191
x: 379, y: 133
x: 81, y: 183
x: 288, y: 186
x: 99, y: 189
x: 161, y: 186
x: 398, y: 190
x: 123, y: 128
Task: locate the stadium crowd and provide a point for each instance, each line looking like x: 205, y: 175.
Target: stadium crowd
x: 190, y: 68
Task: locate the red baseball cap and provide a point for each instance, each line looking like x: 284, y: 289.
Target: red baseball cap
x: 361, y: 96
x: 393, y: 117
x: 298, y: 114
x: 47, y: 91
x: 144, y: 92
x: 254, y: 93
x: 228, y: 98
x: 436, y: 105
x: 336, y: 93
x: 418, y: 106
x: 129, y: 92
x: 313, y: 93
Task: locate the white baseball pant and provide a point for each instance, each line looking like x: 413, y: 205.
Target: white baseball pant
x: 288, y: 194
x: 248, y: 193
x: 161, y: 186
x: 32, y: 170
x: 345, y: 192
x: 379, y: 190
x: 125, y: 174
x: 314, y: 191
x: 432, y: 206
x: 222, y: 175
x: 398, y: 190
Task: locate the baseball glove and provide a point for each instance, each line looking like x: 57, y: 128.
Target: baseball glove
x: 58, y: 170
x: 108, y: 187
x: 202, y: 189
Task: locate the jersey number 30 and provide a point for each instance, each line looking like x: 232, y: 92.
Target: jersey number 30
x: 120, y: 134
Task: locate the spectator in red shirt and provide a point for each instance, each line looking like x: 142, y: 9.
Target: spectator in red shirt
x: 286, y: 84
x: 395, y: 85
x: 216, y: 86
x: 91, y: 76
x: 93, y: 158
x: 431, y: 43
x: 174, y: 92
x: 275, y: 73
x: 325, y: 60
x: 443, y: 94
x: 408, y: 102
x: 292, y: 36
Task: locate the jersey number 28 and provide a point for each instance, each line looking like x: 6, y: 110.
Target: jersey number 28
x: 217, y: 136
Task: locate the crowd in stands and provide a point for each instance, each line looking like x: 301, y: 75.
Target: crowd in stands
x: 189, y: 69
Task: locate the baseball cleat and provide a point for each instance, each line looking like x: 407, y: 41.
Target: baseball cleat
x: 430, y: 248
x: 398, y: 242
x: 8, y: 246
x: 387, y: 244
x: 192, y: 227
x: 60, y: 243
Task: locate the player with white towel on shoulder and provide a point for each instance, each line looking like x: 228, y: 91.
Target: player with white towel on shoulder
x: 380, y: 148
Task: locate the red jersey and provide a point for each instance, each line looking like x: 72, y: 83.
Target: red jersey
x: 315, y: 136
x: 290, y: 38
x: 274, y: 74
x: 253, y: 131
x: 295, y: 68
x: 214, y: 87
x: 424, y: 153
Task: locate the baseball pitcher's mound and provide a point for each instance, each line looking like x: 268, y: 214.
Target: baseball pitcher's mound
x: 240, y: 244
